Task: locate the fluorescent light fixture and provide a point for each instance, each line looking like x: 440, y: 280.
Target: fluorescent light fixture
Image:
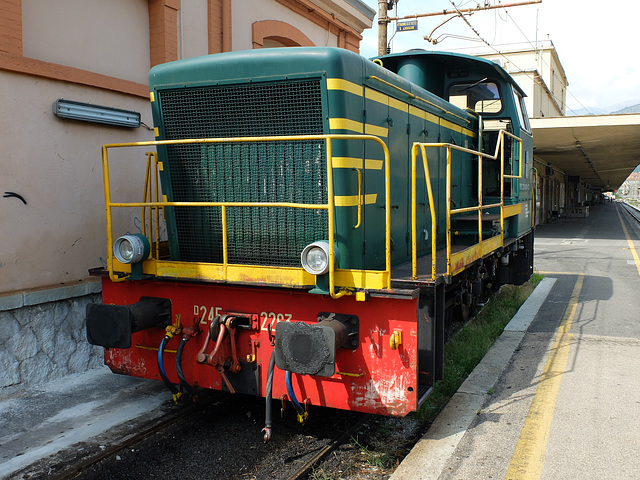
x: 87, y: 112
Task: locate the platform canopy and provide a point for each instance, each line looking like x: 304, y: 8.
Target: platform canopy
x: 601, y: 149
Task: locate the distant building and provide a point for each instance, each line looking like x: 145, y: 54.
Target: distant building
x: 630, y: 189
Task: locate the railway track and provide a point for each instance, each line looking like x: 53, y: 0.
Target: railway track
x: 77, y: 468
x: 297, y: 450
x: 305, y: 469
x: 632, y: 211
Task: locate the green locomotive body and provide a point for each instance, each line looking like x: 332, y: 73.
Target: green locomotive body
x: 315, y: 91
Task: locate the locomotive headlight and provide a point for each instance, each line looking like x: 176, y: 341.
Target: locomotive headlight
x: 131, y: 248
x: 315, y: 257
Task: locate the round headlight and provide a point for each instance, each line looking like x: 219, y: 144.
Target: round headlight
x: 315, y: 257
x: 131, y: 248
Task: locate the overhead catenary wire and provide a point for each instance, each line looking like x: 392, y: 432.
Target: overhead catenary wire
x: 535, y: 47
x: 519, y: 69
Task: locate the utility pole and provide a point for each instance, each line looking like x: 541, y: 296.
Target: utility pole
x: 383, y: 20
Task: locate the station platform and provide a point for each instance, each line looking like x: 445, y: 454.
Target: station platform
x: 558, y: 395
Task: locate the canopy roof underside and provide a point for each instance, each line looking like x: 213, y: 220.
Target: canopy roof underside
x: 601, y: 149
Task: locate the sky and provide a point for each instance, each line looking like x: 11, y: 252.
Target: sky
x: 596, y: 43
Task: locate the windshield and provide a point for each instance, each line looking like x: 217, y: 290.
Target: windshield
x: 522, y: 111
x: 482, y: 96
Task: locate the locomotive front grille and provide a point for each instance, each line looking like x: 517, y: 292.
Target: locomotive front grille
x: 291, y: 171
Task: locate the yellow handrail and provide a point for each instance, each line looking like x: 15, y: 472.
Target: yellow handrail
x: 432, y: 211
x: 359, y: 173
x: 329, y: 206
x: 499, y: 153
x: 152, y: 183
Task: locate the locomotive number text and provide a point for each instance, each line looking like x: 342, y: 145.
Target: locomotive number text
x: 206, y: 314
x: 272, y: 318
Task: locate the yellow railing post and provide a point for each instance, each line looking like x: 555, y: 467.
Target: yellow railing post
x: 147, y: 189
x: 414, y: 236
x: 414, y: 242
x: 502, y: 185
x: 225, y: 233
x: 480, y: 198
x: 432, y: 209
x: 332, y: 253
x: 448, y: 209
x: 108, y: 206
x: 157, y: 209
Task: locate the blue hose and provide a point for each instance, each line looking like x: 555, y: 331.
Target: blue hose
x: 163, y: 373
x: 183, y: 381
x: 292, y: 396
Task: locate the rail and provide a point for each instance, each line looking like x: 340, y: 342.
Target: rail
x: 631, y: 210
x: 422, y: 148
x: 346, y: 279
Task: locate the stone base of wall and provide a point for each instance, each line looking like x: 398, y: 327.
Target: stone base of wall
x: 45, y: 341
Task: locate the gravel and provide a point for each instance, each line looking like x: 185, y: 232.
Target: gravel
x: 224, y: 441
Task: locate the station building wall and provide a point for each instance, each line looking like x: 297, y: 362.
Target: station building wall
x: 100, y: 53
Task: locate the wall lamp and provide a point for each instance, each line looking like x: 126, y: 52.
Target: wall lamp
x: 87, y: 112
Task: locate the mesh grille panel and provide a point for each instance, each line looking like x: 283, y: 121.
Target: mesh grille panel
x: 247, y: 172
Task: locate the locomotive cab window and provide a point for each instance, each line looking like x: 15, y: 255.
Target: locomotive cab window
x: 482, y: 96
x: 521, y: 108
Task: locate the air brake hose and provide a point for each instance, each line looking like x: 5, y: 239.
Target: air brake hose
x: 163, y: 374
x: 183, y: 380
x: 302, y: 414
x: 267, y: 416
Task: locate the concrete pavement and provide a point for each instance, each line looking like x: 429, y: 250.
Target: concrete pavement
x: 71, y: 417
x: 564, y: 400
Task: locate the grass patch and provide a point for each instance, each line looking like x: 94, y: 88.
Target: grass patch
x: 467, y: 347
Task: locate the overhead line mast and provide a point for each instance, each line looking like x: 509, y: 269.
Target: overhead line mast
x: 383, y: 19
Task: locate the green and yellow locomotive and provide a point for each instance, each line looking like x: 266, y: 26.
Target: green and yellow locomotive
x: 309, y: 208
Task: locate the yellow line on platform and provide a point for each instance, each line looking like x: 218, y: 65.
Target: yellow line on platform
x: 630, y: 242
x: 528, y: 458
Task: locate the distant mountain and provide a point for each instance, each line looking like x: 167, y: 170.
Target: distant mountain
x: 583, y: 111
x: 630, y: 106
x: 631, y: 109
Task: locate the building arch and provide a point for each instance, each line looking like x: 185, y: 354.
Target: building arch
x: 280, y: 32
